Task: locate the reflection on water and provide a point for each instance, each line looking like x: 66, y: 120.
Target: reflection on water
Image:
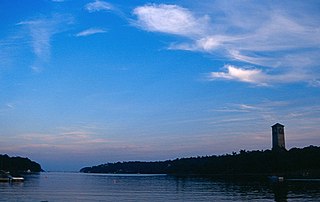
x: 104, y: 187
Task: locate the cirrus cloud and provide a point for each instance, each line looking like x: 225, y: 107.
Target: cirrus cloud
x: 90, y: 31
x: 257, y: 76
x: 98, y: 6
x: 240, y: 74
x: 271, y: 40
x: 41, y: 31
x: 171, y: 19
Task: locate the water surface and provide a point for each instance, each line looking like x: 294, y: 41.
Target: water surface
x: 109, y: 187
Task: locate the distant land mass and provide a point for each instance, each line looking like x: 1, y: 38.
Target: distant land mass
x: 18, y: 164
x: 297, y: 162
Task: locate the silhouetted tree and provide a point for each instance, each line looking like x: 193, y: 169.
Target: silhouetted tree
x: 16, y: 164
x: 295, y: 162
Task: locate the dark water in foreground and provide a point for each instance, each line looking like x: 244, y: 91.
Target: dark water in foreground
x: 102, y: 187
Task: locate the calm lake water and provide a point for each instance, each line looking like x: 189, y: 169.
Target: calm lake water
x: 104, y: 187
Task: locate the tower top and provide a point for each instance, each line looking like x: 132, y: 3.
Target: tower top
x: 278, y: 142
x: 277, y: 124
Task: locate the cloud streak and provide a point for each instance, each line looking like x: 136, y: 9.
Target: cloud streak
x: 90, y: 31
x: 76, y: 141
x: 270, y: 37
x: 98, y: 6
x: 257, y: 76
x: 171, y: 19
x: 245, y: 75
x: 41, y: 32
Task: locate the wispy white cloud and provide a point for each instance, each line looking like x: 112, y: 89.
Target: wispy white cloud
x: 171, y: 19
x: 4, y: 108
x: 258, y: 76
x: 295, y: 115
x: 271, y: 37
x: 41, y: 32
x: 90, y: 31
x: 239, y: 74
x: 75, y: 141
x: 10, y: 106
x: 247, y: 107
x: 98, y: 6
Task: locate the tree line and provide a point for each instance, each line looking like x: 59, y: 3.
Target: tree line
x: 18, y: 164
x: 295, y: 162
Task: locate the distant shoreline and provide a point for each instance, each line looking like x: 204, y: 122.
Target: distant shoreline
x: 296, y: 163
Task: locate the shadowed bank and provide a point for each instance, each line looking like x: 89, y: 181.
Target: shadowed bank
x: 295, y: 163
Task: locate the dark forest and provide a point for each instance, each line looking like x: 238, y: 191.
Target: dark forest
x: 18, y: 164
x: 296, y: 162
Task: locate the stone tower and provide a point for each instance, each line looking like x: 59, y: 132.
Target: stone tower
x: 278, y: 142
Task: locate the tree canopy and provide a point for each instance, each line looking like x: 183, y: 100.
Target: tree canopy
x: 295, y: 162
x: 18, y: 164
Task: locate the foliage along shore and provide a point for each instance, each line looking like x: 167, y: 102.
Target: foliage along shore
x: 18, y: 164
x: 296, y: 162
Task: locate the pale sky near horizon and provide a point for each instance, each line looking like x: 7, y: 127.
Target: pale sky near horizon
x: 85, y: 82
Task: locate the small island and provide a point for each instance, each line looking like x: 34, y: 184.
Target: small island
x: 18, y: 164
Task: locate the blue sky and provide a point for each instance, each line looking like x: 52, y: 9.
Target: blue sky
x: 87, y: 82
